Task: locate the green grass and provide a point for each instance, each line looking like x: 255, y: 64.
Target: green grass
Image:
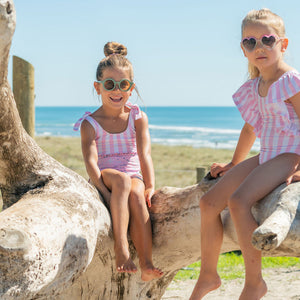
x: 231, y: 266
x: 280, y: 262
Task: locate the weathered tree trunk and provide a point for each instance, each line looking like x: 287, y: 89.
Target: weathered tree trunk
x: 56, y: 233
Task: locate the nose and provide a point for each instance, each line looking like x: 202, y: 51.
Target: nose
x: 259, y: 45
x: 117, y: 87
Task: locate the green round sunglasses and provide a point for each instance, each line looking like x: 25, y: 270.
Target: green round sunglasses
x: 109, y: 84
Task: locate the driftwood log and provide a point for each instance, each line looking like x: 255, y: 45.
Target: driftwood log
x: 56, y: 233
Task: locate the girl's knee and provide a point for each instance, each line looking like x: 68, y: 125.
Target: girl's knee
x: 206, y: 204
x: 136, y: 198
x: 122, y: 181
x: 237, y: 203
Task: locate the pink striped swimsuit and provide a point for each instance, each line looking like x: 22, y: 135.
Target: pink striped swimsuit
x: 117, y: 150
x: 275, y: 122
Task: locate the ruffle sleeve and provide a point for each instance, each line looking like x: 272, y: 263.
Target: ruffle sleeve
x: 290, y: 127
x: 245, y: 101
x: 78, y: 123
x: 135, y: 110
x: 287, y: 86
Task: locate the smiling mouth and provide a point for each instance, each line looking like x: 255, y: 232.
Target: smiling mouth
x: 116, y: 99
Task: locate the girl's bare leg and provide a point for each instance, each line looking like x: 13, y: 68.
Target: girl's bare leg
x: 211, y: 205
x: 259, y: 183
x: 140, y: 230
x: 120, y: 184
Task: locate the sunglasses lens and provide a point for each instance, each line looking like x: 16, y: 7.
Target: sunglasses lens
x: 268, y: 41
x: 249, y: 44
x: 125, y: 85
x: 109, y: 84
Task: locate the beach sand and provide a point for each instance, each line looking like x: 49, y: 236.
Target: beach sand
x: 283, y: 284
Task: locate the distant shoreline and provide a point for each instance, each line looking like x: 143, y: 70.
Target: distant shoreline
x: 158, y: 106
x: 198, y: 126
x: 152, y: 142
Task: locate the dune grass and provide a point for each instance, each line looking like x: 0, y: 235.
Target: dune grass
x: 174, y: 166
x: 231, y: 266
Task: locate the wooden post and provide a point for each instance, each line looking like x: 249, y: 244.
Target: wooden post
x: 23, y: 88
x: 201, y: 172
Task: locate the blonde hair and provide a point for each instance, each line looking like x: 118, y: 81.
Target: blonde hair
x: 263, y: 16
x: 115, y: 57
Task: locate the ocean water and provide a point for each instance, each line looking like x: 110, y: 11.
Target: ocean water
x: 214, y: 127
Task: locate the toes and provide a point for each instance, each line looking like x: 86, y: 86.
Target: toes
x: 127, y: 267
x: 158, y: 272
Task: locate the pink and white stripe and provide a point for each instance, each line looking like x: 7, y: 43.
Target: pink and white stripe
x: 116, y: 150
x: 274, y: 120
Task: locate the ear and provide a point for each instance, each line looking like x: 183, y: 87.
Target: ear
x: 244, y: 51
x: 131, y: 89
x: 284, y: 44
x: 97, y: 87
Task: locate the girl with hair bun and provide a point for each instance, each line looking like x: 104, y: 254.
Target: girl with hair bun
x: 270, y: 105
x: 116, y: 149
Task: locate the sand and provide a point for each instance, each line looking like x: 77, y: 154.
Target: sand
x: 283, y: 284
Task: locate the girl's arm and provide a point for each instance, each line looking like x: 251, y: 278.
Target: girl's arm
x: 295, y: 100
x: 144, y: 152
x: 90, y: 157
x: 246, y: 141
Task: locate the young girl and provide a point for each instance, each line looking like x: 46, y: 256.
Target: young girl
x: 116, y: 149
x: 270, y: 105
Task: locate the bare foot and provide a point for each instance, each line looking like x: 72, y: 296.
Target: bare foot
x: 127, y: 267
x: 124, y: 263
x: 254, y: 292
x: 204, y: 285
x: 150, y: 272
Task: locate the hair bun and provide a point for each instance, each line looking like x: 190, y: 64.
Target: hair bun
x: 114, y: 48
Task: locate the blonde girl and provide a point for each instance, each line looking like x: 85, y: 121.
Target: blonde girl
x: 270, y: 105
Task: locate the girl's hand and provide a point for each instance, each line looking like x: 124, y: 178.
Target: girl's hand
x: 148, y: 195
x: 293, y: 178
x: 219, y: 169
x: 105, y: 193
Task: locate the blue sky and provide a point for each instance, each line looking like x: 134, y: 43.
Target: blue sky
x: 184, y: 53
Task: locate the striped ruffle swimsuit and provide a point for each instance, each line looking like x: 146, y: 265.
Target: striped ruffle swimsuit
x: 275, y: 121
x: 117, y: 150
